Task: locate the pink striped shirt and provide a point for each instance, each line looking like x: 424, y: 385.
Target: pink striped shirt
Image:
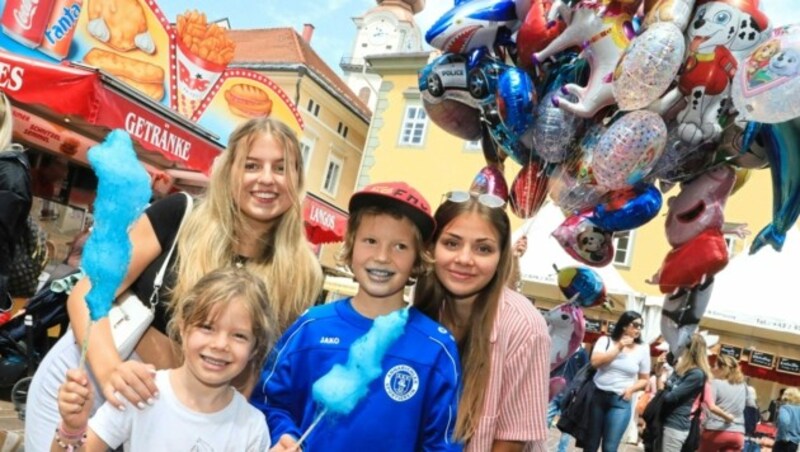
x: 515, y: 408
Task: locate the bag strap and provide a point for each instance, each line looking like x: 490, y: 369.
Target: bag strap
x: 159, y: 279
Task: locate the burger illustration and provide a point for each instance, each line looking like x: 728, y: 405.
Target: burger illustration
x: 248, y: 101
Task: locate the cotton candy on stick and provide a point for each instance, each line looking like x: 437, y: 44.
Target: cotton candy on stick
x: 123, y: 191
x: 340, y: 390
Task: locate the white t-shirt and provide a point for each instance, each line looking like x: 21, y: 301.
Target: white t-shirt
x: 169, y: 425
x: 624, y: 370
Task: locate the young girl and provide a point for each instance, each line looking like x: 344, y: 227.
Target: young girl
x: 503, y: 340
x: 224, y: 330
x: 250, y: 215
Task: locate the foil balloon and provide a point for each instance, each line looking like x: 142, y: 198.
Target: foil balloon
x: 679, y: 161
x: 516, y: 100
x: 648, y: 66
x: 490, y: 180
x: 681, y: 315
x: 676, y: 12
x: 627, y: 208
x: 604, y: 33
x: 473, y: 25
x: 492, y: 153
x: 572, y: 192
x: 584, y: 241
x: 740, y: 144
x: 566, y: 326
x: 456, y: 117
x: 627, y: 152
x: 529, y: 190
x: 700, y: 205
x: 782, y: 145
x: 765, y: 87
x: 693, y: 262
x: 582, y: 286
x: 554, y: 132
x: 535, y: 32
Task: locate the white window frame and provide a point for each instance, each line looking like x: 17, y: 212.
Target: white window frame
x: 412, y: 125
x: 628, y: 250
x: 731, y: 241
x: 338, y: 161
x: 306, y: 153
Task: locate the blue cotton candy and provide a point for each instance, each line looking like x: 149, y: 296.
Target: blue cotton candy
x: 340, y: 390
x: 123, y: 191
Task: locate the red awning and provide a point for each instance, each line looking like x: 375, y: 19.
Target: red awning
x: 325, y: 223
x: 93, y: 102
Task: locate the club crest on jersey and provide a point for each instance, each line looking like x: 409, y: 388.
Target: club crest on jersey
x: 401, y: 383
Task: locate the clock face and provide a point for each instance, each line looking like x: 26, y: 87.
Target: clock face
x: 378, y: 32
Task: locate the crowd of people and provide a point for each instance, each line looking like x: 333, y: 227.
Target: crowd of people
x: 234, y: 352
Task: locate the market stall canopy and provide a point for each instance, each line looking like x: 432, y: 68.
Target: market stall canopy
x: 93, y: 102
x: 324, y: 222
x: 759, y: 290
x: 544, y: 251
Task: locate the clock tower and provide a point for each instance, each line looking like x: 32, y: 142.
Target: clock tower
x: 388, y: 27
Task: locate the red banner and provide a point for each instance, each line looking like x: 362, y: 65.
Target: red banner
x: 324, y: 223
x: 73, y: 91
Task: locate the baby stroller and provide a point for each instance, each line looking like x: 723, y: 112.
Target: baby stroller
x: 24, y: 339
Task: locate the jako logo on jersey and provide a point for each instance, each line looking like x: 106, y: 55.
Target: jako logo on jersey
x: 329, y: 340
x: 401, y: 383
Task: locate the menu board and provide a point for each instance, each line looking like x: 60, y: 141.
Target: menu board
x: 788, y: 365
x: 761, y: 359
x: 731, y: 350
x: 594, y: 326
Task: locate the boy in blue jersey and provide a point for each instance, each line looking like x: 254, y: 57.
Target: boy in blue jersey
x: 412, y: 405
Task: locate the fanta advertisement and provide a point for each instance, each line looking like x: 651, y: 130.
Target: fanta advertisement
x: 182, y: 66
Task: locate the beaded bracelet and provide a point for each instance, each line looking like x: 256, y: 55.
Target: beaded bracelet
x: 74, y: 440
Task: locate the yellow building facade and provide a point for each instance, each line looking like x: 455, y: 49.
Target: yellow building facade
x: 403, y: 144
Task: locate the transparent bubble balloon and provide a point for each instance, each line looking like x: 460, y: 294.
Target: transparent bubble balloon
x: 627, y: 152
x: 648, y: 66
x: 554, y: 130
x: 765, y: 86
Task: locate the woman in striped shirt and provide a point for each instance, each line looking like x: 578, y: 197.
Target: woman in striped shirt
x: 502, y: 338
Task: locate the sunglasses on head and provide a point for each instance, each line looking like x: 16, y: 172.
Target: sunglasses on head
x: 486, y: 199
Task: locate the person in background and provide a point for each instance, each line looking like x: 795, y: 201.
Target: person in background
x: 752, y: 416
x: 724, y: 429
x: 517, y: 251
x: 49, y: 176
x: 681, y: 392
x: 567, y: 370
x: 502, y: 338
x: 788, y: 422
x: 623, y: 367
x: 774, y: 405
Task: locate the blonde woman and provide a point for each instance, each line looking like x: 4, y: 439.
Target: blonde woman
x: 502, y: 338
x: 250, y: 216
x: 682, y: 392
x: 15, y: 197
x: 724, y: 429
x: 788, y: 435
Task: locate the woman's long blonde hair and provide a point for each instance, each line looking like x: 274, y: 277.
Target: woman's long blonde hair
x: 208, y: 238
x: 433, y: 299
x: 791, y: 396
x: 729, y: 369
x: 695, y: 355
x: 6, y: 123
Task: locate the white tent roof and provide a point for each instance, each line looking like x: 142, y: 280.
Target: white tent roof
x: 544, y: 250
x: 760, y: 290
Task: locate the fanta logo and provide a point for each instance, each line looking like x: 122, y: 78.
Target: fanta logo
x: 68, y: 19
x: 24, y: 14
x: 329, y: 340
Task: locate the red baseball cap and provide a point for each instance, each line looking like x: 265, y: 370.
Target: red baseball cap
x: 399, y: 195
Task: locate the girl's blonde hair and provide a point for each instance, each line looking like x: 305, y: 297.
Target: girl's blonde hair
x: 423, y: 261
x: 212, y: 294
x: 729, y: 369
x: 209, y: 236
x: 6, y: 123
x: 791, y: 396
x: 695, y: 355
x: 433, y: 299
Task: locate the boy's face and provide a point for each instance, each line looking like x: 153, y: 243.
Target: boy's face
x: 217, y: 350
x: 384, y: 252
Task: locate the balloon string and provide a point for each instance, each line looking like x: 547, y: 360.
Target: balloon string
x: 85, y: 344
x: 310, y: 428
